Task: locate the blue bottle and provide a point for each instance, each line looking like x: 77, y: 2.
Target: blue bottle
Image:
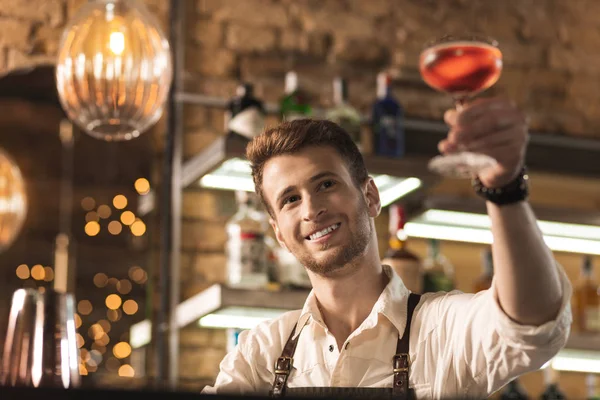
x: 387, y: 120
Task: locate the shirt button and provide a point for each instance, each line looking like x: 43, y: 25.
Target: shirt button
x: 347, y: 344
x: 331, y: 347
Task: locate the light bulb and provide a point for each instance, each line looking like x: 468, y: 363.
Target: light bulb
x: 13, y: 204
x: 114, y: 69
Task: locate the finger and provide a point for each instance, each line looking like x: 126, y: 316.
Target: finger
x: 447, y: 147
x: 450, y: 117
x: 489, y: 123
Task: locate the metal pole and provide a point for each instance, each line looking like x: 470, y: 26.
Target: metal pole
x: 167, y: 340
x: 64, y: 263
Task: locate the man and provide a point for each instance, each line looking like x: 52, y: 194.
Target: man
x: 355, y: 329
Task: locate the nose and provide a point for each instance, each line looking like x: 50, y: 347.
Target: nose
x: 312, y: 208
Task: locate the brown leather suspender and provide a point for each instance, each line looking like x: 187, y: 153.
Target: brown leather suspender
x: 283, y: 366
x: 401, y: 360
x: 402, y: 357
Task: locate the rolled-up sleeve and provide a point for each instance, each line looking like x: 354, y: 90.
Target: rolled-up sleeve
x: 552, y: 334
x: 486, y: 344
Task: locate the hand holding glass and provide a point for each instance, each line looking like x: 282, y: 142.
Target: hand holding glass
x: 462, y: 67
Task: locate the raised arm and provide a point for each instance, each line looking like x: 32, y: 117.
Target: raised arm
x: 528, y: 285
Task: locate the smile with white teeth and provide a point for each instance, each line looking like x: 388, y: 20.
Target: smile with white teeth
x: 324, y: 232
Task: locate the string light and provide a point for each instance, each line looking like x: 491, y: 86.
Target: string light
x: 130, y: 307
x: 92, y: 228
x: 48, y: 274
x: 120, y: 202
x: 92, y: 216
x: 84, y: 307
x: 105, y: 325
x: 80, y: 341
x: 77, y: 321
x: 100, y: 279
x: 113, y: 301
x: 127, y: 371
x: 37, y: 272
x: 88, y: 203
x: 115, y: 227
x: 112, y: 364
x: 138, y: 228
x: 104, y: 211
x: 124, y: 286
x: 23, y: 271
x: 142, y: 186
x: 113, y: 315
x: 127, y: 218
x: 122, y: 350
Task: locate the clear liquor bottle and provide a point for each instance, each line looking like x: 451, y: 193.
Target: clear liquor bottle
x: 342, y: 113
x: 246, y: 247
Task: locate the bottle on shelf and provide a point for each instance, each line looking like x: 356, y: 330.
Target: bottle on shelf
x: 245, y: 115
x: 552, y: 391
x: 438, y: 271
x: 342, y: 113
x: 387, y: 120
x: 406, y: 264
x: 294, y: 104
x: 246, y: 248
x: 485, y: 279
x: 586, y: 300
x: 514, y: 391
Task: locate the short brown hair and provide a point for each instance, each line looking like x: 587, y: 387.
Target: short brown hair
x: 292, y: 136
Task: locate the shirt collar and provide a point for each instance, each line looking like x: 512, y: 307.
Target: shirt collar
x: 391, y: 303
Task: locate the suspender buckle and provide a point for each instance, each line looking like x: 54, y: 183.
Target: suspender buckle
x: 283, y: 365
x: 401, y: 362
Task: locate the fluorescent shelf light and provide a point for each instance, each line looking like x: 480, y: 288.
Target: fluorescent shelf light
x: 475, y: 228
x: 392, y: 188
x: 577, y: 361
x: 238, y: 317
x: 235, y: 174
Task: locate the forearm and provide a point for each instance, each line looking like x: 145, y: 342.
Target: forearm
x: 527, y: 280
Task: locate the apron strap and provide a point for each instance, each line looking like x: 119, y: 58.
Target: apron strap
x: 402, y: 357
x: 283, y: 365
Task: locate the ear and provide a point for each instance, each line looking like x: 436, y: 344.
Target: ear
x: 372, y: 199
x: 277, y: 233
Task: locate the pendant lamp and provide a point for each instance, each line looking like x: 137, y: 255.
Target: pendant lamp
x: 114, y: 69
x: 13, y: 204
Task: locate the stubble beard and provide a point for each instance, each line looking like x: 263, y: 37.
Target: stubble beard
x: 346, y: 255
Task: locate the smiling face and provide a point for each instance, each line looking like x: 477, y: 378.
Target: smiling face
x: 318, y: 213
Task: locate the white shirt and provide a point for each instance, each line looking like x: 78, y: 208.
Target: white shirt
x: 461, y: 345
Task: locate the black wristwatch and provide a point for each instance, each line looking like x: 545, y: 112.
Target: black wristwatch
x: 513, y: 192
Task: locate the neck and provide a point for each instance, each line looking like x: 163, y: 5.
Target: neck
x: 346, y: 301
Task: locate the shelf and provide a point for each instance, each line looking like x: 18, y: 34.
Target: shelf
x: 218, y: 299
x: 230, y: 147
x: 589, y: 342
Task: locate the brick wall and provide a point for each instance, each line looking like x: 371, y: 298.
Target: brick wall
x: 550, y: 69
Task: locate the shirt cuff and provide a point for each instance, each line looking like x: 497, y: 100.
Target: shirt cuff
x: 551, y: 333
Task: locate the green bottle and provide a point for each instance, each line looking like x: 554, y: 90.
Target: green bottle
x: 438, y: 271
x: 294, y: 104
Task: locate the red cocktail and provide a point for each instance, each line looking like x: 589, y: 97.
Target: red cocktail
x: 462, y: 67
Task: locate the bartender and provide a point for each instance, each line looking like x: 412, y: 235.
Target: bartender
x: 361, y: 333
